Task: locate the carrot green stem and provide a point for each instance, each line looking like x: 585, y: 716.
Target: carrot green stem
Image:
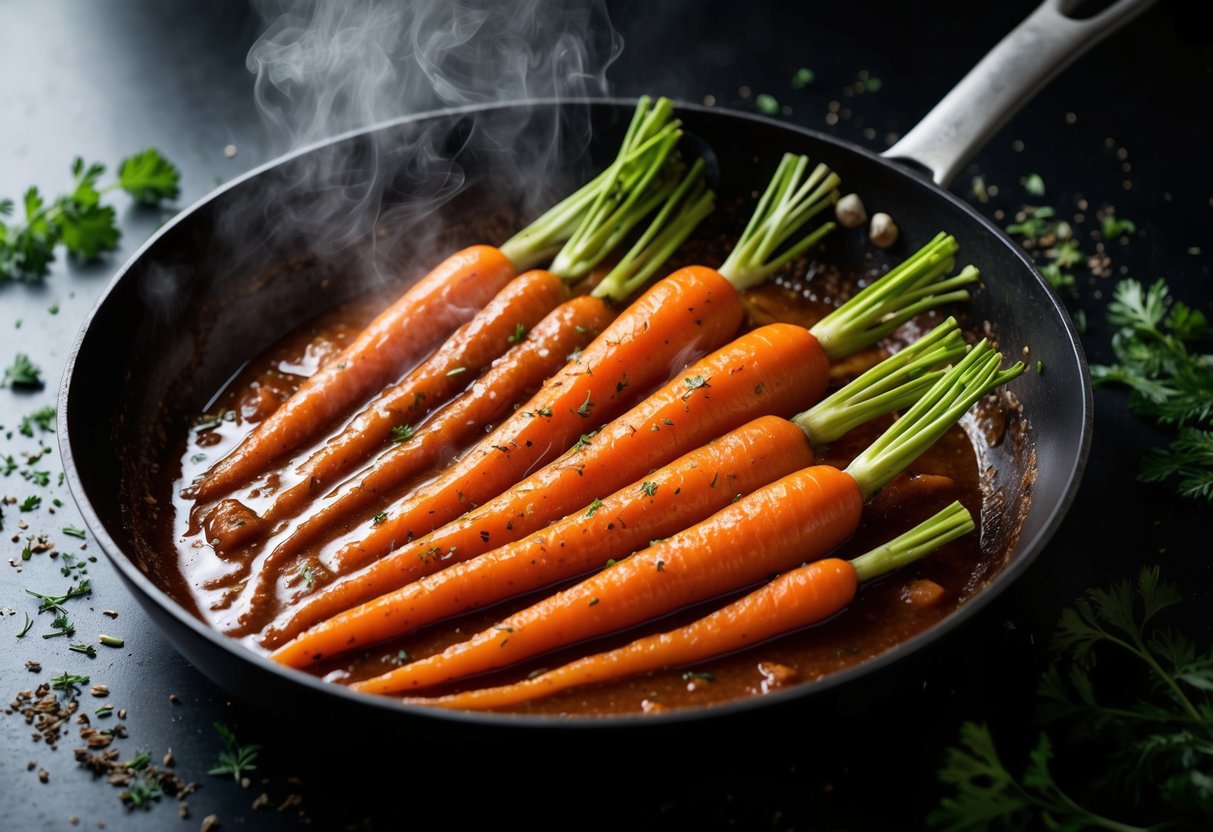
x: 693, y: 201
x: 930, y: 417
x: 923, y: 539
x: 791, y: 200
x: 909, y: 288
x: 542, y: 239
x: 631, y: 192
x: 893, y: 384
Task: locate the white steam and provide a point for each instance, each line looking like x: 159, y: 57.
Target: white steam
x: 326, y: 68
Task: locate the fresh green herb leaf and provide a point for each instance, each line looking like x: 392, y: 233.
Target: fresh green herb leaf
x: 802, y: 78
x: 379, y: 518
x: 402, y: 433
x: 149, y: 177
x: 235, y: 759
x: 1035, y: 223
x: 87, y: 649
x: 30, y: 503
x: 44, y: 419
x: 519, y: 334
x: 1052, y: 273
x: 1113, y: 227
x: 72, y: 531
x: 1169, y: 383
x: 1034, y: 185
x: 766, y: 104
x: 69, y: 683
x: 29, y: 622
x: 649, y: 488
x: 1066, y: 253
x: 594, y: 506
x: 22, y: 373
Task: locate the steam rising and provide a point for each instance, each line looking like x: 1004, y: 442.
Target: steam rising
x: 323, y: 69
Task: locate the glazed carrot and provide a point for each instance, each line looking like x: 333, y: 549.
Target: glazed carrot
x: 435, y: 305
x: 515, y: 310
x: 760, y: 374
x: 516, y: 376
x: 798, y: 518
x: 447, y: 297
x: 656, y: 505
x: 797, y: 599
x: 691, y: 311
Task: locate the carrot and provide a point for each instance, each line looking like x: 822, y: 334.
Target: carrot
x: 446, y: 298
x: 753, y: 454
x: 800, y: 598
x: 692, y: 310
x: 507, y: 317
x: 517, y: 375
x: 685, y: 204
x: 800, y: 517
x: 631, y: 515
x: 867, y: 317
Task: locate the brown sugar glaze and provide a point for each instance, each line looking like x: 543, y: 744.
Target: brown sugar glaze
x: 215, y: 588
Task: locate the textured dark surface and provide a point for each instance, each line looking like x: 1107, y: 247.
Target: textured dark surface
x: 105, y: 79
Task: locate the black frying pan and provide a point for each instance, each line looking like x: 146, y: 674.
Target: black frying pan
x: 229, y: 276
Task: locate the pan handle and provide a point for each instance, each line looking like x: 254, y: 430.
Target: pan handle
x: 1036, y: 50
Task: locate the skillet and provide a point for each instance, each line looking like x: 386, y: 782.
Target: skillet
x: 198, y: 299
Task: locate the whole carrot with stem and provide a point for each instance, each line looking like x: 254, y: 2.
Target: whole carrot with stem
x: 691, y: 312
x: 517, y: 307
x: 800, y: 517
x: 778, y: 369
x: 435, y: 305
x: 792, y: 601
x: 660, y: 504
x: 684, y: 206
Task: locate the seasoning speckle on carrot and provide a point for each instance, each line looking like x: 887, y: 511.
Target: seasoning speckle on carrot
x: 800, y: 517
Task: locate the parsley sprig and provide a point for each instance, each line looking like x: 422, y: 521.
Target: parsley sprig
x: 79, y: 220
x: 1170, y: 383
x: 1154, y: 732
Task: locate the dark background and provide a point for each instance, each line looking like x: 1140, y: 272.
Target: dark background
x: 104, y: 79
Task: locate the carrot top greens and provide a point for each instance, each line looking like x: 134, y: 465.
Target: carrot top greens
x: 581, y: 222
x: 791, y: 200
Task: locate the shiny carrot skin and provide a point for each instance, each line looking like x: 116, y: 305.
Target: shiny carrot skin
x: 794, y: 600
x: 521, y: 371
x: 523, y: 302
x: 800, y: 517
x: 668, y: 500
x: 397, y: 339
x: 776, y: 369
x: 691, y: 312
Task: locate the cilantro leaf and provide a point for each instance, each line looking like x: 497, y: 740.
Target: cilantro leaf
x: 149, y: 177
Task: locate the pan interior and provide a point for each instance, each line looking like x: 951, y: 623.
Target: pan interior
x: 255, y: 262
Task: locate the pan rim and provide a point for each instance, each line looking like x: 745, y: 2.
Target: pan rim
x: 1030, y: 549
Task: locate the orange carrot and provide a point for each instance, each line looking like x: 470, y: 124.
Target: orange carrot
x: 690, y: 312
x: 400, y: 336
x: 775, y: 369
x: 800, y: 517
x: 800, y: 598
x: 513, y: 378
x: 507, y: 317
x: 657, y: 504
x: 666, y: 501
x: 452, y: 292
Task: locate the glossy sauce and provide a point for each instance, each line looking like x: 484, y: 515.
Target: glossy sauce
x: 883, y: 615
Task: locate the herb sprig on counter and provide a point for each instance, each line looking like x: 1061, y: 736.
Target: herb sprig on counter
x: 235, y: 759
x: 79, y: 220
x: 1171, y: 383
x: 1153, y: 728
